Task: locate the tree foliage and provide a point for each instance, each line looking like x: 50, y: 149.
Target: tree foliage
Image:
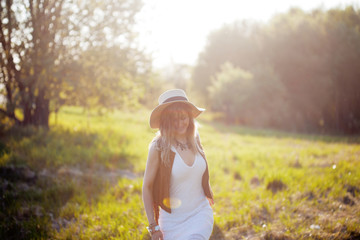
x: 44, y: 44
x: 314, y: 57
x: 255, y: 97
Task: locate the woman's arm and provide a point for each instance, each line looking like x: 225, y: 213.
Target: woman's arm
x: 152, y: 165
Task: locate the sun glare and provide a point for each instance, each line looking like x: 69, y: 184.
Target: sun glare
x: 176, y: 31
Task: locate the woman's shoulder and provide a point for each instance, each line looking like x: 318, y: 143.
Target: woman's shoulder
x: 155, y: 144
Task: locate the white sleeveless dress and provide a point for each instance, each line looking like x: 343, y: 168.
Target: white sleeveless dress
x: 191, y: 216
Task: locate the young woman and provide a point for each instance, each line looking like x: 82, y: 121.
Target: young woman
x: 176, y: 189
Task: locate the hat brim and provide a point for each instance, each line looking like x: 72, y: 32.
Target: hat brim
x: 156, y: 113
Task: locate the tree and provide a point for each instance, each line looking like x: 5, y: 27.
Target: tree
x: 343, y: 35
x: 42, y: 39
x: 317, y: 57
x: 108, y: 77
x: 254, y: 98
x: 313, y: 56
x: 235, y: 43
x: 296, y: 48
x: 227, y: 84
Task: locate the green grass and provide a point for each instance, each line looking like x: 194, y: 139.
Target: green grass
x: 318, y: 180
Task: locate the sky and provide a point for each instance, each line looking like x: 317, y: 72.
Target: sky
x: 175, y: 31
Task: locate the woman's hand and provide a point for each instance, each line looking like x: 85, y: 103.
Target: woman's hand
x: 158, y: 235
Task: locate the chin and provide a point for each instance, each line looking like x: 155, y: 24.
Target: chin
x: 181, y: 132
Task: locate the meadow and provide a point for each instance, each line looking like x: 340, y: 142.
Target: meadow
x: 82, y: 179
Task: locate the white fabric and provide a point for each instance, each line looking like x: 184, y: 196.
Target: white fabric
x: 191, y: 216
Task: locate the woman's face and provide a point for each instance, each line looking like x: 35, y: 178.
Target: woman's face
x: 180, y: 122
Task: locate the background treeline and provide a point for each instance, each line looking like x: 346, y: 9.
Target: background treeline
x: 299, y: 72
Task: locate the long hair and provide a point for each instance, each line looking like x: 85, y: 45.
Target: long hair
x: 166, y: 136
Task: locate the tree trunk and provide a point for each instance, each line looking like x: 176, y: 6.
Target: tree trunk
x: 42, y: 112
x: 28, y: 116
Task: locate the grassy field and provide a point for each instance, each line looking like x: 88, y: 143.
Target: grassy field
x: 82, y: 180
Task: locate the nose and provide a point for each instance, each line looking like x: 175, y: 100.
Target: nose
x: 178, y: 123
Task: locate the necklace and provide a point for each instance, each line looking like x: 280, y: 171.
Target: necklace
x: 182, y: 146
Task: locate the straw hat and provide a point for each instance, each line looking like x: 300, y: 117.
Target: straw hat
x: 167, y: 98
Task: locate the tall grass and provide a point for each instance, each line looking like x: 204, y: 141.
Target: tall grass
x: 267, y: 184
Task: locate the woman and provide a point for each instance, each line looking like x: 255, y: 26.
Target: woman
x: 176, y: 189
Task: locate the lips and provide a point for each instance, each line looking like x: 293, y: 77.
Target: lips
x: 181, y: 129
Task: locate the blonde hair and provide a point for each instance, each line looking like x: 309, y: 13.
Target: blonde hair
x: 166, y: 138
